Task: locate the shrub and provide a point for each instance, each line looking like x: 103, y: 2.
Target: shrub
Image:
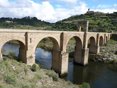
x: 52, y: 74
x: 34, y: 67
x: 85, y: 85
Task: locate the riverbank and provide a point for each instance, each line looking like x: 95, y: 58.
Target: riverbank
x: 108, y: 53
x: 14, y: 74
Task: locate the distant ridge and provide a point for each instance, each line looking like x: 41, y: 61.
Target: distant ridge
x: 98, y: 21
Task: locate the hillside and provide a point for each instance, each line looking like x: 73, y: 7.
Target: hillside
x: 24, y: 23
x: 97, y: 22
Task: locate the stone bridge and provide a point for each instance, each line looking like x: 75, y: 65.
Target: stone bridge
x: 28, y: 39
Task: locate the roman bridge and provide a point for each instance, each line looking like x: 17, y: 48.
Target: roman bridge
x: 28, y: 39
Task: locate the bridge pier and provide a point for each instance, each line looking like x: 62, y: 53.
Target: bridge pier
x: 22, y: 54
x: 30, y: 58
x: 64, y: 63
x: 97, y: 49
x: 85, y: 55
x: 56, y: 62
x: 60, y: 62
x: 1, y: 56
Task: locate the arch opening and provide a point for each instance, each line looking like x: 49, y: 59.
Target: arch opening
x: 101, y: 42
x: 74, y: 50
x: 74, y: 47
x: 92, y: 45
x: 14, y: 49
x: 47, y: 53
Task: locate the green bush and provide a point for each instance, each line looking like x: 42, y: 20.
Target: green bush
x: 52, y: 74
x: 85, y: 85
x: 34, y: 67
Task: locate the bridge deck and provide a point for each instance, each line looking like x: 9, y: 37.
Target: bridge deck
x: 41, y: 31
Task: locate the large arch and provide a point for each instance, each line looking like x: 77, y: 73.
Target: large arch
x: 92, y: 45
x: 78, y: 49
x: 55, y: 52
x: 21, y: 49
x: 75, y: 45
x: 101, y: 41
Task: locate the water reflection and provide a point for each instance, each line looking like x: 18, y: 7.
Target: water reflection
x: 10, y: 48
x: 44, y: 58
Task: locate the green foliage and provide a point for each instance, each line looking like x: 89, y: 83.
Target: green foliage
x: 99, y: 22
x: 53, y: 75
x: 11, y: 55
x: 46, y: 44
x: 10, y: 79
x: 111, y: 42
x: 14, y: 74
x: 34, y: 67
x: 85, y: 85
x: 23, y: 23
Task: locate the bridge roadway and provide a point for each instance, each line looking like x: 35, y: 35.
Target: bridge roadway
x: 28, y: 39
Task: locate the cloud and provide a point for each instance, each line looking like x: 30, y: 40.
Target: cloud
x: 44, y: 10
x: 4, y: 3
x: 106, y: 8
x: 69, y: 1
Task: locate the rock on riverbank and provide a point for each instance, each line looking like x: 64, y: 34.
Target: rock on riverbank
x: 108, y: 53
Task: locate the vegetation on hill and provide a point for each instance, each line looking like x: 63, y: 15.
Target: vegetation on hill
x: 23, y: 23
x: 97, y: 22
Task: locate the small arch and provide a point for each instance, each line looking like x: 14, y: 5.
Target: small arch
x: 14, y: 49
x: 101, y: 41
x: 91, y: 45
x: 43, y: 53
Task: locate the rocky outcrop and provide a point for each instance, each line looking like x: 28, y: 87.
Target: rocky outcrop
x: 107, y: 54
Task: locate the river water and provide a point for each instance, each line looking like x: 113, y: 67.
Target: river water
x: 98, y: 75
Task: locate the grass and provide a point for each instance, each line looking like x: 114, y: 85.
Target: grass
x: 14, y: 74
x: 111, y: 42
x: 52, y: 74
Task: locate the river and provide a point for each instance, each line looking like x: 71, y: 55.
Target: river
x: 98, y: 75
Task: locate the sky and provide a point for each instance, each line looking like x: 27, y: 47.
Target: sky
x: 53, y: 10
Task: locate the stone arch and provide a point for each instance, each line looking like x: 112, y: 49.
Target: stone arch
x: 101, y: 41
x: 55, y: 52
x: 92, y: 45
x: 22, y: 49
x: 78, y: 49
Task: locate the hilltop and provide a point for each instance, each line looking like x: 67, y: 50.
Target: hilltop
x: 98, y: 21
x: 24, y: 23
